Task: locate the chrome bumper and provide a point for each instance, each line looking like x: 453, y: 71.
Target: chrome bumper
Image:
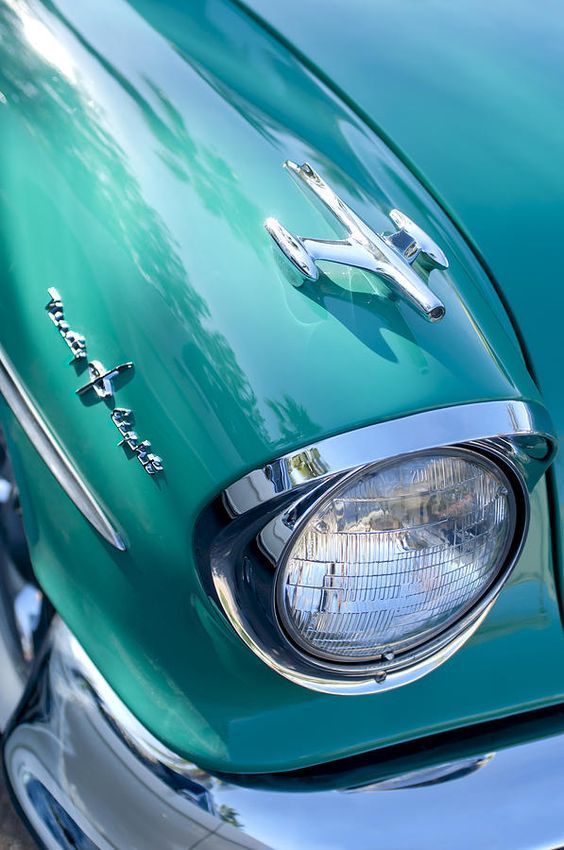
x: 88, y: 775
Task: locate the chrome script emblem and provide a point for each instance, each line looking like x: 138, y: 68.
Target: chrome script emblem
x: 122, y: 419
x: 74, y: 340
x: 391, y: 257
x: 101, y: 384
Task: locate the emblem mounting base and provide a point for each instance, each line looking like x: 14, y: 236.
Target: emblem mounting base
x: 102, y: 378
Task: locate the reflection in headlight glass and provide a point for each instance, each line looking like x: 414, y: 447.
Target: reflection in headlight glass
x: 396, y: 554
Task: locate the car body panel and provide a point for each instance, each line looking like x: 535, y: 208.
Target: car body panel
x: 141, y: 149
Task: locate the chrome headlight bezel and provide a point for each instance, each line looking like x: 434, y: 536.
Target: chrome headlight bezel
x: 268, y: 507
x: 409, y: 651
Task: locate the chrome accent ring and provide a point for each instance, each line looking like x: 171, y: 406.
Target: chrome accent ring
x: 517, y: 434
x: 441, y: 635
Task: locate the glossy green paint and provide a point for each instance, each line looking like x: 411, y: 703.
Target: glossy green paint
x: 470, y: 95
x: 140, y: 152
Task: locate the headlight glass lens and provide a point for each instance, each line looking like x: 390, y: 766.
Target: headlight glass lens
x: 395, y: 555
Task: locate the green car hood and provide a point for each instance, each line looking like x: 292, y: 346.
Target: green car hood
x: 141, y: 147
x: 470, y: 95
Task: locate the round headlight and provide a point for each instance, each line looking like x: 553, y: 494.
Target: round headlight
x: 396, y: 555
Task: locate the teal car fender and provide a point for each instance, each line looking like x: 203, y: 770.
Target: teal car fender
x: 139, y: 160
x: 484, y: 81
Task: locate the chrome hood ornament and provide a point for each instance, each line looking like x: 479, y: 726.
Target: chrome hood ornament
x: 390, y: 257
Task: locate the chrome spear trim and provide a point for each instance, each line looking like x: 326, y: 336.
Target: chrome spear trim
x: 390, y: 257
x: 60, y: 465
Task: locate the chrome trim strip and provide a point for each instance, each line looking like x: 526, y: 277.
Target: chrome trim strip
x: 442, y: 427
x: 52, y: 454
x: 87, y: 774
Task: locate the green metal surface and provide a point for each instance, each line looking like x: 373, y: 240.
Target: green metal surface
x: 470, y: 95
x: 140, y: 152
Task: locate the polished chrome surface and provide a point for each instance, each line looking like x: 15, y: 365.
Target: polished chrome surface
x: 515, y: 434
x: 521, y: 422
x: 389, y: 257
x: 40, y: 435
x: 431, y: 776
x: 101, y: 379
x: 303, y: 670
x: 87, y: 774
x: 414, y: 244
x: 56, y: 311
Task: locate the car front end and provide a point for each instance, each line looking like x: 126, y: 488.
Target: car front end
x: 281, y: 424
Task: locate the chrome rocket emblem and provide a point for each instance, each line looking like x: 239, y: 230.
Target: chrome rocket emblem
x: 391, y: 257
x: 101, y: 383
